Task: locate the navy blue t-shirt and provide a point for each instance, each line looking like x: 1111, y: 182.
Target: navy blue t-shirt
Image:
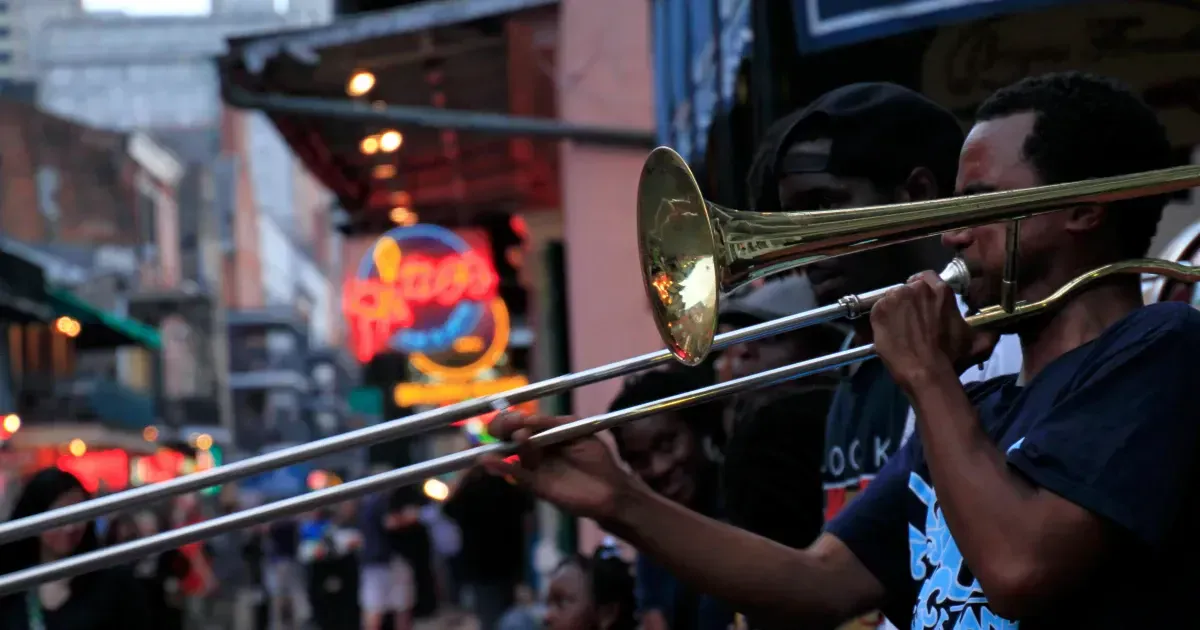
x: 1111, y: 426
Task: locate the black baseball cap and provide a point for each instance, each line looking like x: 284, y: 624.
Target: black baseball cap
x: 881, y: 131
x: 775, y: 299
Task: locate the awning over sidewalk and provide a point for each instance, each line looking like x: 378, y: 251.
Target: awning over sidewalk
x: 698, y: 48
x: 466, y: 83
x: 22, y: 290
x: 101, y: 329
x: 824, y: 24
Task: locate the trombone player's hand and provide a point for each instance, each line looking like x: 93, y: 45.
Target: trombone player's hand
x: 921, y: 335
x: 583, y: 476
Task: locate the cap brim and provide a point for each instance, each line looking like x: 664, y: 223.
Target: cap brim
x: 739, y: 316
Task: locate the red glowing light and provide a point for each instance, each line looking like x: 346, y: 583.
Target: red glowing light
x: 377, y: 309
x: 110, y: 467
x: 519, y: 227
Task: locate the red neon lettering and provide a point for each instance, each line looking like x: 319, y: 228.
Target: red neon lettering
x: 376, y: 309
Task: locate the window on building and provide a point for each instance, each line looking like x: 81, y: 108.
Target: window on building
x: 3, y: 6
x: 147, y: 220
x: 5, y: 31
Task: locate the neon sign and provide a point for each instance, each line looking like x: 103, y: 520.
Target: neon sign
x: 444, y: 393
x: 470, y: 356
x: 419, y: 290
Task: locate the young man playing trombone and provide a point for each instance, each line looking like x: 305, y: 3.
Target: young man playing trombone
x: 1065, y: 497
x: 859, y: 145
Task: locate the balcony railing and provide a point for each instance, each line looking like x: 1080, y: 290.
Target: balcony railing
x: 259, y: 368
x: 243, y: 359
x: 98, y: 399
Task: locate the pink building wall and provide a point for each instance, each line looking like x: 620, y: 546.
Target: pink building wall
x: 605, y: 79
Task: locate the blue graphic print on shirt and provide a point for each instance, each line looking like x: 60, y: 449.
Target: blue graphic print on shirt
x: 938, y: 565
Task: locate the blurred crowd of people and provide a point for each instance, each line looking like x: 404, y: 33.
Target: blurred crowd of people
x: 388, y: 561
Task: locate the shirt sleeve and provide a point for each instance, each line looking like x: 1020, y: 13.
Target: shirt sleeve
x: 875, y: 525
x: 1122, y: 442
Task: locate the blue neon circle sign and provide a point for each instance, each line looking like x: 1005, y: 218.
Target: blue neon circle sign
x: 417, y: 290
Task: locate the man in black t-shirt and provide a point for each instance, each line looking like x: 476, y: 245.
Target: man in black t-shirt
x: 1065, y: 497
x: 861, y: 145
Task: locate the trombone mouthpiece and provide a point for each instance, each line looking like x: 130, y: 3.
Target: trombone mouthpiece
x: 957, y: 276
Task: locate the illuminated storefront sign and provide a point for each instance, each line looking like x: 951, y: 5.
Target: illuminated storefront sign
x: 436, y: 394
x: 420, y: 290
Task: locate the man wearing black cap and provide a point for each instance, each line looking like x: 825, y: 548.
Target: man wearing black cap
x: 860, y: 145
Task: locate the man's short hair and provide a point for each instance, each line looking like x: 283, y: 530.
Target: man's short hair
x: 1088, y: 126
x: 880, y: 131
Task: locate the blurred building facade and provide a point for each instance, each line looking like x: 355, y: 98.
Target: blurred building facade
x: 258, y: 260
x: 545, y: 189
x: 97, y: 214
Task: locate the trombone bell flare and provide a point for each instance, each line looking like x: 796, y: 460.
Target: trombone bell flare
x: 679, y: 256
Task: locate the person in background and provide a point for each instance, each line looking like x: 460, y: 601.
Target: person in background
x: 411, y: 542
x: 200, y: 581
x: 861, y: 145
x: 101, y: 600
x: 666, y: 452
x: 771, y: 479
x: 285, y: 580
x: 161, y: 576
x: 446, y: 538
x: 593, y: 593
x: 327, y: 553
x: 234, y: 596
x: 122, y: 528
x: 495, y: 517
x: 385, y: 578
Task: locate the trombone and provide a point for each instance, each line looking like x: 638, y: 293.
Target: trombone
x: 692, y: 251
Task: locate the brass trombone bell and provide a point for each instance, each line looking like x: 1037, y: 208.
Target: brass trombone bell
x: 692, y: 250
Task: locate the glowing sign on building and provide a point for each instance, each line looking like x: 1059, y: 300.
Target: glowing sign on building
x: 473, y: 354
x: 419, y: 290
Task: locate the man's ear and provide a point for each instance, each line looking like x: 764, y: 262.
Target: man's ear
x: 920, y: 185
x: 1082, y: 219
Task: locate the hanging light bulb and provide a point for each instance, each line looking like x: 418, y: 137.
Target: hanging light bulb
x: 360, y: 83
x: 403, y: 216
x: 390, y: 140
